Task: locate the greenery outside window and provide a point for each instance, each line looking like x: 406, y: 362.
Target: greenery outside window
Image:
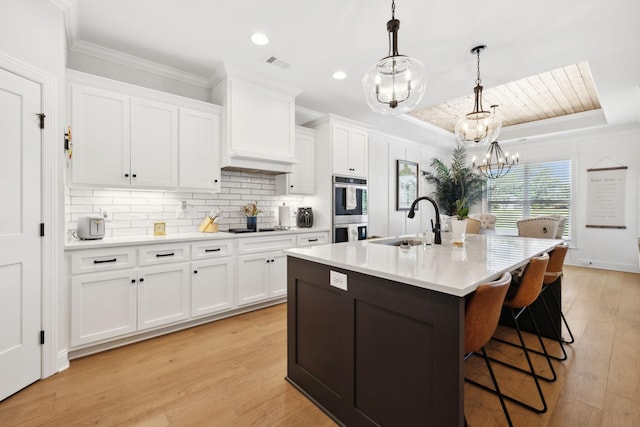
x: 530, y: 190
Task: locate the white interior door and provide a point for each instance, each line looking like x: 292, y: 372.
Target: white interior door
x: 20, y: 279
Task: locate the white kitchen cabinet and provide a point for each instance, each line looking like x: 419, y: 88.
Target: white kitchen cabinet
x: 199, y: 150
x: 261, y: 276
x: 100, y: 122
x: 312, y: 239
x: 122, y: 141
x: 350, y: 150
x: 103, y: 305
x: 154, y: 144
x: 126, y: 136
x: 258, y: 125
x: 212, y: 283
x: 302, y: 179
x: 163, y: 295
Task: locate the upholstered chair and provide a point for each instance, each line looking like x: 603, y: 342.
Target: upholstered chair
x: 543, y: 227
x: 561, y: 222
x: 487, y: 221
x: 473, y: 226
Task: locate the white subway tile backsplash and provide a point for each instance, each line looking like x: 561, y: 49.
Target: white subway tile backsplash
x: 134, y: 211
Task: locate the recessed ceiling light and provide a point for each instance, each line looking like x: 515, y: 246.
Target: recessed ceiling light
x: 260, y: 39
x: 339, y: 75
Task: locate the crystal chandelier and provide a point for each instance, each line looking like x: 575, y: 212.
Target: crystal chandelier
x: 396, y: 83
x: 496, y: 163
x: 479, y: 125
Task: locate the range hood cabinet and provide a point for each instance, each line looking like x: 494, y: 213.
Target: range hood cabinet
x: 258, y: 126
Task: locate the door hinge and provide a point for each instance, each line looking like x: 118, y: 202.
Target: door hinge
x: 41, y: 337
x: 42, y: 229
x: 42, y: 116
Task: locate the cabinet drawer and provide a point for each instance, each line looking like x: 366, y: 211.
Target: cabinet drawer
x: 212, y: 249
x: 312, y: 239
x: 266, y: 244
x: 161, y: 254
x: 102, y: 259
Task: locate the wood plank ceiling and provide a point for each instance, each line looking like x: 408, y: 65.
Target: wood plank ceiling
x: 554, y: 93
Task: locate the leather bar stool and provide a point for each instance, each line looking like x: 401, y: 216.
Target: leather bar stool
x: 482, y: 312
x: 517, y: 303
x: 551, y: 278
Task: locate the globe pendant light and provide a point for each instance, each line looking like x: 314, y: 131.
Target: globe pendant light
x: 397, y: 82
x: 479, y: 125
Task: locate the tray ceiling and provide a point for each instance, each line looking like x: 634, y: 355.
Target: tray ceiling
x: 555, y: 93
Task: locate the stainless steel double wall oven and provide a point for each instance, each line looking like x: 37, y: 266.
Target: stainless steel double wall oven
x: 350, y: 204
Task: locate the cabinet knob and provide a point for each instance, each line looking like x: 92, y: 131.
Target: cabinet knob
x: 133, y: 280
x: 126, y: 175
x: 195, y: 271
x: 215, y: 180
x: 291, y: 186
x: 134, y: 175
x: 268, y: 261
x: 141, y: 279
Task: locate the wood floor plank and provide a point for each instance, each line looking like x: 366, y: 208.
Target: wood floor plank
x: 231, y: 373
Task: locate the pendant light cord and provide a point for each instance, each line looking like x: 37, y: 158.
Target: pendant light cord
x: 478, y: 81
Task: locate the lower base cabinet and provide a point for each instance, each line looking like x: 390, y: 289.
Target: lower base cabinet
x: 103, y: 306
x: 212, y: 286
x: 261, y: 276
x: 116, y: 292
x: 110, y: 304
x: 163, y: 295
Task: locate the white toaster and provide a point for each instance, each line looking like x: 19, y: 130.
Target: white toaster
x: 90, y: 228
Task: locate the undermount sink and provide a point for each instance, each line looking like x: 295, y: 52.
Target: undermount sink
x: 398, y: 241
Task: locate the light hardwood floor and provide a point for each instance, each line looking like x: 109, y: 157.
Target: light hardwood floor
x: 231, y: 373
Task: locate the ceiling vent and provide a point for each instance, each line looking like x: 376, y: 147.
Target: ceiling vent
x: 277, y: 61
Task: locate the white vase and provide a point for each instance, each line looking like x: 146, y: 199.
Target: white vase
x: 458, y: 230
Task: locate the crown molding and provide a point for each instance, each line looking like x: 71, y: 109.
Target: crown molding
x: 71, y: 23
x: 74, y: 44
x: 122, y: 58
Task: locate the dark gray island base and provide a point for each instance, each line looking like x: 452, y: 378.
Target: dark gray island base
x: 380, y: 353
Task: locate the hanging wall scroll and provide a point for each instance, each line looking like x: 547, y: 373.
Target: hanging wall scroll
x: 606, y: 197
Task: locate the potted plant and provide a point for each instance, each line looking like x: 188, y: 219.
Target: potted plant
x: 455, y: 183
x: 459, y: 223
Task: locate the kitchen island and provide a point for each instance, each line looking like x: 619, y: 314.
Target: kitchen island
x: 376, y: 331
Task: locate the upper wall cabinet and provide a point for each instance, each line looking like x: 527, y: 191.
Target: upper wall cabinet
x: 131, y: 137
x: 258, y: 125
x: 199, y: 150
x: 302, y: 180
x: 347, y: 143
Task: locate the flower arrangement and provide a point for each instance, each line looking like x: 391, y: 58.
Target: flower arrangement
x: 251, y: 209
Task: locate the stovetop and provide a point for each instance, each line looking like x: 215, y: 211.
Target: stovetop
x: 248, y: 230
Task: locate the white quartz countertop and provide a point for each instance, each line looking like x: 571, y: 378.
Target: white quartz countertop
x: 444, y: 268
x: 106, y: 242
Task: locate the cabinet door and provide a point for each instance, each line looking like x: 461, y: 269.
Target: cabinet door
x: 278, y: 274
x: 253, y: 278
x: 100, y: 124
x: 212, y: 286
x: 358, y: 153
x: 163, y: 295
x: 154, y: 144
x: 103, y: 305
x: 199, y: 150
x: 340, y: 146
x: 302, y: 179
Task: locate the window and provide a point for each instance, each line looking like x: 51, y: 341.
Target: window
x: 528, y: 190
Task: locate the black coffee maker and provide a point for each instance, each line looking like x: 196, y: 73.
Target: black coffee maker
x: 304, y: 218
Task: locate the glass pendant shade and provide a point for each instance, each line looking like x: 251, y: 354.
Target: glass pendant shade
x: 394, y: 85
x: 479, y: 126
x: 496, y: 163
